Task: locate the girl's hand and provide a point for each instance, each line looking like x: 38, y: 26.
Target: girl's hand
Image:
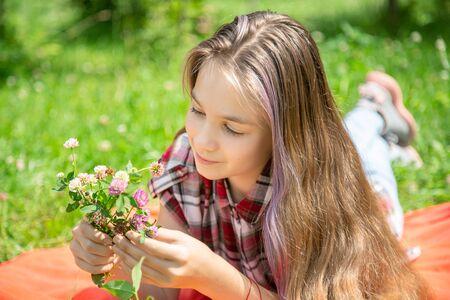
x: 172, y: 260
x: 92, y: 249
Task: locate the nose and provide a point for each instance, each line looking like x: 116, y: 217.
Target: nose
x: 205, y: 140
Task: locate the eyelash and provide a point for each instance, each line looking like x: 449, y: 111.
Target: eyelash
x: 230, y: 131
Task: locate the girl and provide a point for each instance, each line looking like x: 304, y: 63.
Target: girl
x: 264, y: 195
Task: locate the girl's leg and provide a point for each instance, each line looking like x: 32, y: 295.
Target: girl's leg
x: 379, y: 117
x: 365, y: 127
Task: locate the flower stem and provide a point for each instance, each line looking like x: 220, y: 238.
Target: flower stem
x: 74, y: 162
x: 129, y: 212
x: 143, y: 169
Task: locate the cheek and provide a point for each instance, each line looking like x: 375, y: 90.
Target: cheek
x: 248, y: 153
x: 190, y: 125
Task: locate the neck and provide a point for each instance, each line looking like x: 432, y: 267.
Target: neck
x: 241, y: 185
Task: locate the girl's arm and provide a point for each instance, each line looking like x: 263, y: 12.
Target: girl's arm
x: 228, y: 283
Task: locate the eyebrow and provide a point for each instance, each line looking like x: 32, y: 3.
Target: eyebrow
x: 229, y: 118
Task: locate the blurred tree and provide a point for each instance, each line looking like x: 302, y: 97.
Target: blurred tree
x: 416, y: 12
x: 12, y: 55
x: 119, y: 18
x: 2, y: 19
x: 151, y: 25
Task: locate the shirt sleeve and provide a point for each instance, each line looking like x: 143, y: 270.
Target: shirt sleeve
x: 170, y: 185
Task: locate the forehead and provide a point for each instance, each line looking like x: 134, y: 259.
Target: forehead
x: 214, y: 90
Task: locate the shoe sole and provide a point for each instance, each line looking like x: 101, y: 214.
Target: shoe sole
x: 394, y: 89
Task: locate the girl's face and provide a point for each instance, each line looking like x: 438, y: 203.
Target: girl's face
x: 227, y: 140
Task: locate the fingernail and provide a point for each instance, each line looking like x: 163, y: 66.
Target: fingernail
x: 117, y: 238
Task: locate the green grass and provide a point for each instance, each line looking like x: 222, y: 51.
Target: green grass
x: 66, y: 93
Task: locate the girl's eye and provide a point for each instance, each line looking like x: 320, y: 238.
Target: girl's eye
x: 196, y: 111
x: 227, y: 129
x: 231, y: 131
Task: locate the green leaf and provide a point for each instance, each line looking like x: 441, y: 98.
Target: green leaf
x: 135, y: 177
x: 126, y: 202
x: 70, y: 176
x: 59, y: 188
x: 75, y: 196
x: 136, y: 274
x: 101, y: 196
x: 72, y: 206
x: 111, y: 200
x: 88, y: 209
x: 98, y: 279
x: 132, y: 201
x: 129, y: 166
x: 119, y: 204
x: 120, y: 288
x: 143, y: 236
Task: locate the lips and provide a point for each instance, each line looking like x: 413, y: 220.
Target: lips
x: 204, y: 160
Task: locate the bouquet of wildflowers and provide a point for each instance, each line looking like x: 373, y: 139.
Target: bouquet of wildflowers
x: 111, y: 200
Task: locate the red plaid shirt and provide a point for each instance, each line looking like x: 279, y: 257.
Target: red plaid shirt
x: 205, y: 207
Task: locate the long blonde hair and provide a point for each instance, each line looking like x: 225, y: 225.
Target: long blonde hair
x: 324, y: 235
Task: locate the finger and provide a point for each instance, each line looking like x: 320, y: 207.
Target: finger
x: 93, y: 234
x: 131, y: 249
x: 154, y: 247
x: 148, y: 272
x: 95, y: 248
x: 90, y: 258
x: 92, y: 269
x: 168, y: 235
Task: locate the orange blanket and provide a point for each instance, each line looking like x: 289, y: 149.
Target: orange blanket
x: 52, y: 273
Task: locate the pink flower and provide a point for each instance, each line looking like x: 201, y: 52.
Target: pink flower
x: 139, y: 221
x: 122, y: 175
x: 71, y: 143
x: 75, y: 185
x: 117, y: 186
x: 156, y: 168
x: 100, y: 172
x: 3, y: 196
x: 141, y: 198
x: 152, y: 231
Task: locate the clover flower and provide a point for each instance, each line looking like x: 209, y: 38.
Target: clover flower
x: 71, y: 143
x: 138, y: 221
x: 141, y: 198
x: 123, y: 175
x: 156, y: 168
x: 83, y: 177
x: 60, y: 175
x: 117, y: 186
x: 87, y: 178
x: 91, y: 179
x: 104, y: 146
x: 101, y: 172
x: 75, y: 185
x: 152, y: 231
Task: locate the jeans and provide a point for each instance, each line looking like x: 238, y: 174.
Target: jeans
x: 364, y: 127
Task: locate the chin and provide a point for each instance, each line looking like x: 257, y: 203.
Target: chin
x: 210, y: 174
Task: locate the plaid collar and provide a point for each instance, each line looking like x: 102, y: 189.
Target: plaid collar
x: 251, y: 207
